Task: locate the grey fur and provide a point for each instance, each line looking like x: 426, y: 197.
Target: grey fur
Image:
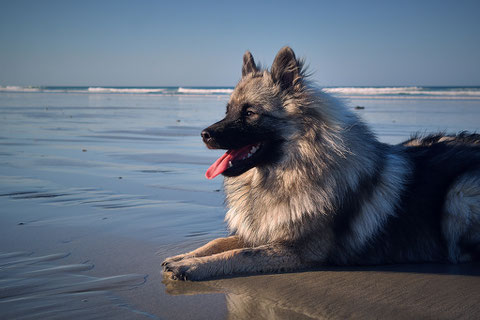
x: 249, y: 65
x: 285, y: 216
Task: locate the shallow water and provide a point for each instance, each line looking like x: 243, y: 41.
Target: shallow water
x: 125, y: 156
x: 107, y: 185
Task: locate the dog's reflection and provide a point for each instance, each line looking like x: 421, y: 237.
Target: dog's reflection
x: 396, y: 292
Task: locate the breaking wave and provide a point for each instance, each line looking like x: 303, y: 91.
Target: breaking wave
x: 122, y: 90
x: 19, y: 89
x: 205, y: 91
x: 406, y: 91
x: 125, y: 90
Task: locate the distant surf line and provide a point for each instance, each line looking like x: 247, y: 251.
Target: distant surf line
x: 355, y: 91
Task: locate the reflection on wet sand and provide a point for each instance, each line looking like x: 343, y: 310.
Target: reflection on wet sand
x: 388, y: 292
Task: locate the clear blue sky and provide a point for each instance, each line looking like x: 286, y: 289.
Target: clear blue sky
x: 198, y: 43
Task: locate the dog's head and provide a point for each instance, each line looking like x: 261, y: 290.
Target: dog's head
x: 256, y: 121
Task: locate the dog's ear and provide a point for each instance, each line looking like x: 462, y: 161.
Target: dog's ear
x: 286, y: 70
x: 248, y: 64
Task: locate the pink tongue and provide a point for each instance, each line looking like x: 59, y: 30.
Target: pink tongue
x: 221, y: 164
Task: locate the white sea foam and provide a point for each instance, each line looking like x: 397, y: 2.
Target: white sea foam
x: 408, y: 91
x: 19, y: 89
x: 205, y: 91
x: 125, y: 90
x: 372, y: 90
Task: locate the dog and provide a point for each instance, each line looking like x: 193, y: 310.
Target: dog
x: 308, y: 184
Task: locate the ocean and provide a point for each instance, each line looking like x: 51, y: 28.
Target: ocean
x: 414, y: 92
x: 105, y: 182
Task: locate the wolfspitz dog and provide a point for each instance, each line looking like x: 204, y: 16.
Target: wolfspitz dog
x: 308, y: 184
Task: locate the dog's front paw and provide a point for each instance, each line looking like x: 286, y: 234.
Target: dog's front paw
x: 174, y: 259
x: 185, y: 269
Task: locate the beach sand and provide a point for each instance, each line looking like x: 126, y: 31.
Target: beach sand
x: 97, y: 189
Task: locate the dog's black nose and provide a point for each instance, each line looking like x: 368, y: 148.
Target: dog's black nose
x: 206, y: 136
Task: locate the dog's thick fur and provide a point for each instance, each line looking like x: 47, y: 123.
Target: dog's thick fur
x: 323, y: 190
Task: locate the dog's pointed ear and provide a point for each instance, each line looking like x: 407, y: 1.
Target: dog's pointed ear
x: 248, y: 64
x: 286, y: 69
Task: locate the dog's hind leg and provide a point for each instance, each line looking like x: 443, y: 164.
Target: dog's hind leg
x: 212, y: 247
x: 262, y: 259
x: 461, y: 223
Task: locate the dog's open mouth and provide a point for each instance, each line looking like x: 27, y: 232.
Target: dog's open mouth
x: 235, y: 161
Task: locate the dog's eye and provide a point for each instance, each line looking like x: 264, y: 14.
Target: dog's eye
x: 248, y: 111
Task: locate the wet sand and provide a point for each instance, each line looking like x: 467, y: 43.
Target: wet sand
x: 103, y: 276
x: 96, y: 190
x: 98, y: 276
x: 387, y: 292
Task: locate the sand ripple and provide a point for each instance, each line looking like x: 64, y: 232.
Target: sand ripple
x: 40, y: 287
